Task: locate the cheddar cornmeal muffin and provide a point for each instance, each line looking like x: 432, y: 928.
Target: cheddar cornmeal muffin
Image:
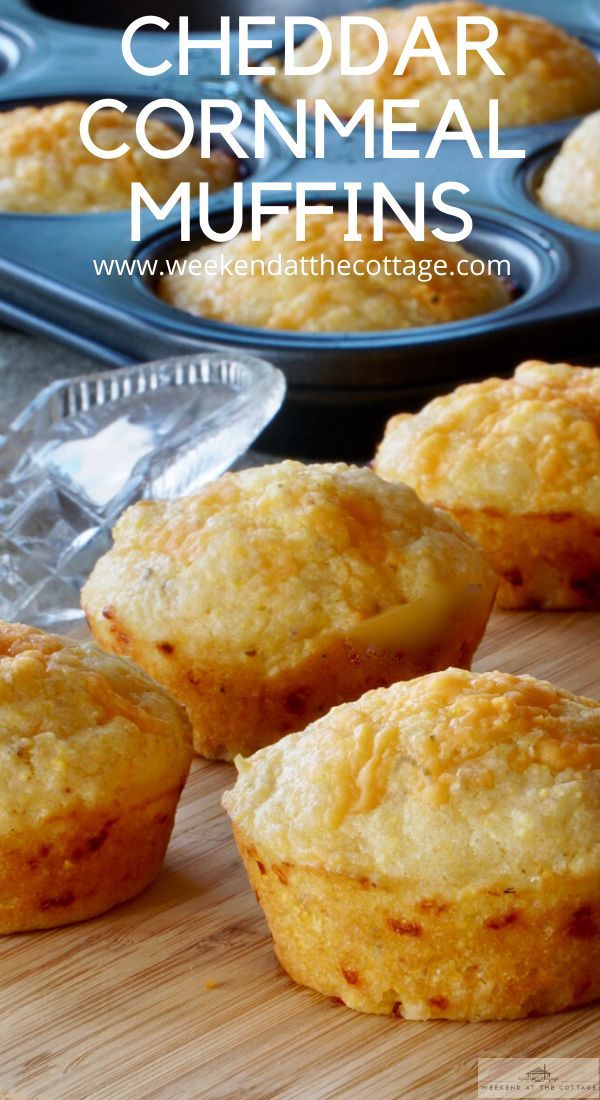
x: 274, y: 593
x: 46, y: 169
x: 93, y: 757
x: 548, y: 74
x: 570, y: 188
x: 517, y: 463
x: 433, y: 850
x: 354, y: 301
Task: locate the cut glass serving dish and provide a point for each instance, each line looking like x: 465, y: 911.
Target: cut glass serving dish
x: 86, y: 448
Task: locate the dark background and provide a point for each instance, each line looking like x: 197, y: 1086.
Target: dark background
x: 203, y: 16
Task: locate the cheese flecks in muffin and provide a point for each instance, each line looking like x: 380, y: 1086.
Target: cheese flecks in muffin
x: 570, y: 188
x: 334, y: 302
x: 423, y: 838
x: 535, y: 438
x: 391, y: 786
x: 276, y: 592
x: 93, y: 756
x: 517, y: 463
x: 46, y: 169
x: 548, y: 74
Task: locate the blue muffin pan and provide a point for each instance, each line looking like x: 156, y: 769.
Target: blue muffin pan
x: 340, y: 387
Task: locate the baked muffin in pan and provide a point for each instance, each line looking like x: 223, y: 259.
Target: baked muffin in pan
x: 277, y: 592
x: 46, y: 169
x: 93, y: 758
x: 433, y: 849
x: 347, y: 298
x: 548, y: 74
x: 517, y: 463
x: 570, y: 188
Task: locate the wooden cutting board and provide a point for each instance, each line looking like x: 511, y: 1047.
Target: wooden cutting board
x: 178, y: 996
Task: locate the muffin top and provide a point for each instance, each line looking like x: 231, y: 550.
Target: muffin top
x: 262, y: 567
x: 527, y: 444
x: 548, y: 74
x: 571, y: 184
x: 78, y: 728
x: 46, y: 168
x: 453, y: 780
x: 354, y: 301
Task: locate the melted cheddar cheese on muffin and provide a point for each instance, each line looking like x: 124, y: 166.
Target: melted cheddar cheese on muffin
x: 274, y: 593
x: 433, y: 849
x: 548, y: 74
x: 46, y: 169
x: 93, y: 757
x: 357, y: 301
x: 570, y: 188
x: 517, y: 463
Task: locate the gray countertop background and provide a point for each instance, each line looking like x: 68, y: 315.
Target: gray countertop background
x: 28, y: 363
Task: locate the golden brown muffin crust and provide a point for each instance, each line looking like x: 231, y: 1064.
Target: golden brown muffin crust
x: 93, y: 757
x: 517, y: 463
x: 548, y: 73
x: 428, y: 758
x: 570, y: 188
x: 395, y: 952
x: 527, y: 444
x: 334, y: 302
x: 546, y: 561
x: 45, y: 167
x: 263, y: 600
x: 433, y: 849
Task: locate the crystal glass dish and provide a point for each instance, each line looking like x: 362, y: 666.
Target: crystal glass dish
x: 86, y: 448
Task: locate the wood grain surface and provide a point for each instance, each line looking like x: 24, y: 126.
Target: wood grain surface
x: 178, y: 996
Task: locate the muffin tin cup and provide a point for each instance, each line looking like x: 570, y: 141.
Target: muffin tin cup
x: 538, y: 265
x: 340, y: 386
x: 525, y: 184
x: 13, y: 46
x: 268, y: 167
x: 252, y: 87
x: 329, y: 410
